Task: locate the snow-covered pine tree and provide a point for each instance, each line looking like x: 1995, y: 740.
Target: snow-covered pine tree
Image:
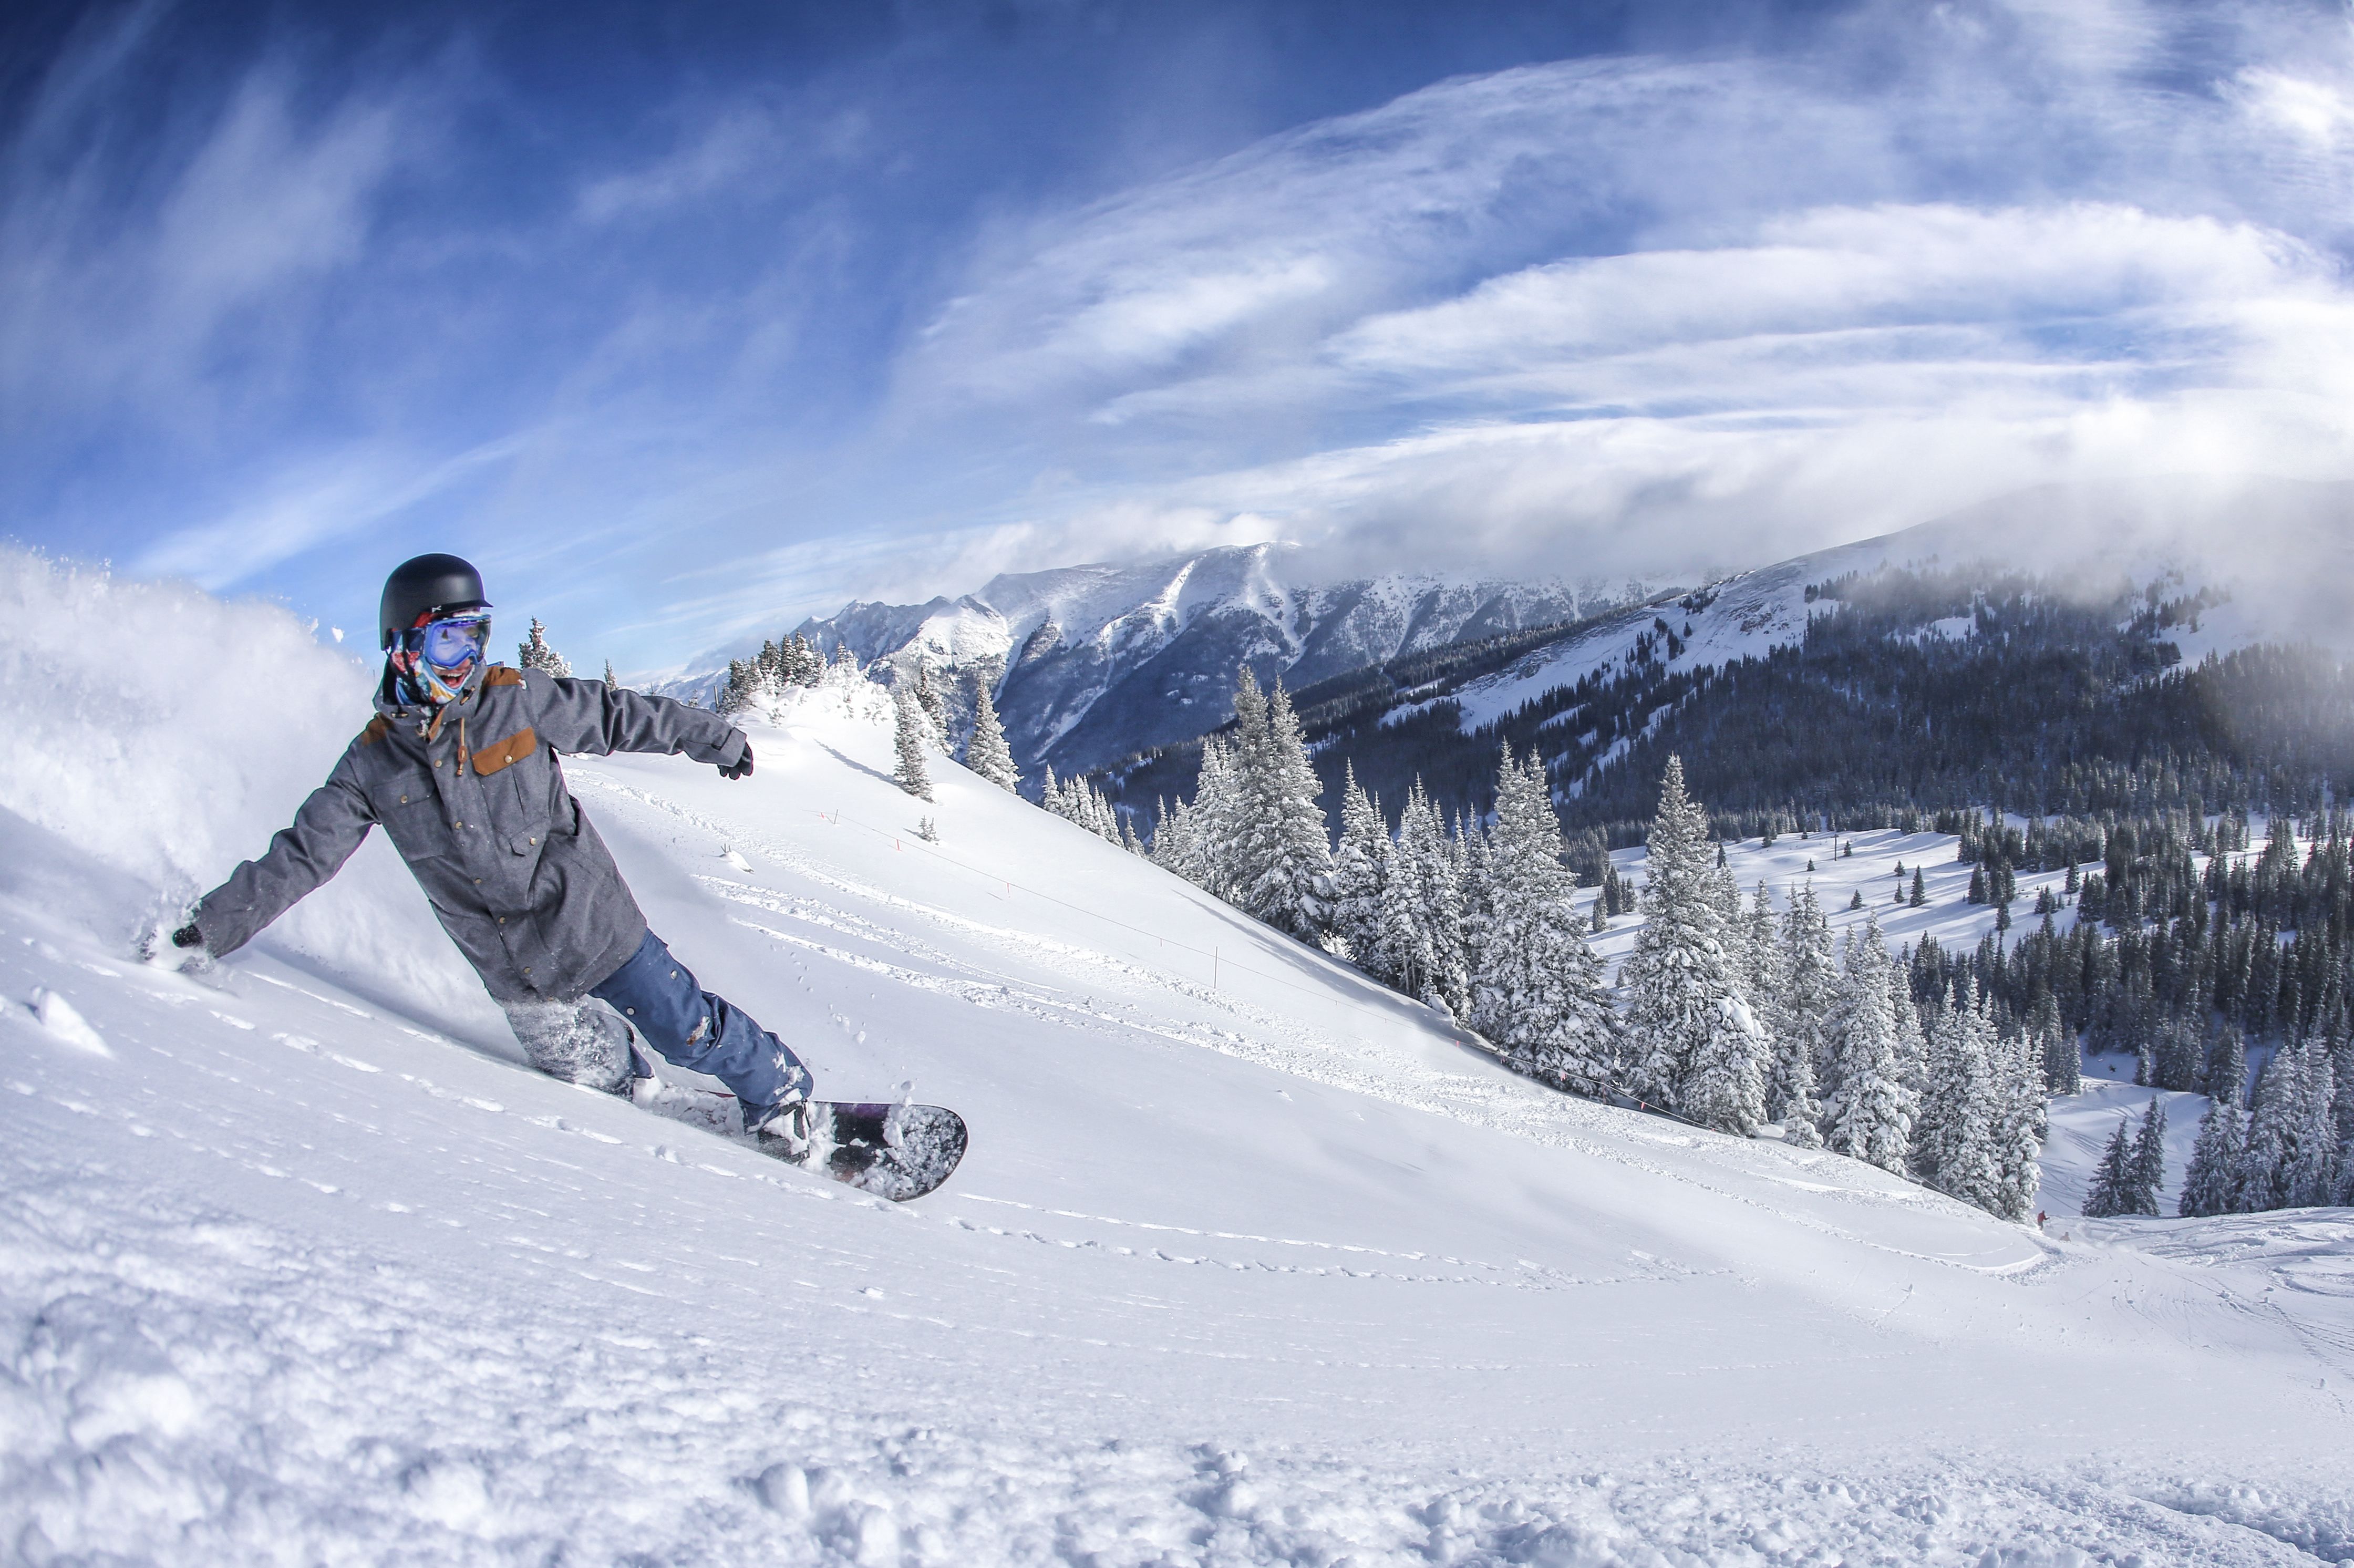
x: 742, y: 688
x: 2061, y: 1057
x: 611, y: 683
x: 1958, y: 1137
x: 1172, y: 838
x: 1536, y: 987
x: 1358, y: 867
x: 911, y: 733
x: 1078, y: 802
x: 2309, y: 1174
x: 2147, y: 1161
x: 1422, y: 909
x: 927, y: 697
x: 1215, y: 821
x: 1809, y: 985
x: 1099, y: 815
x: 1448, y: 907
x: 534, y: 654
x: 1790, y: 1097
x: 1761, y: 978
x: 1681, y: 1039
x: 1912, y: 1041
x: 1725, y: 893
x: 2112, y: 1188
x: 1725, y: 1084
x: 1870, y: 1116
x: 1292, y: 859
x: 2261, y: 1178
x: 1245, y: 846
x: 2019, y: 1139
x: 986, y: 753
x: 2225, y: 1077
x: 2208, y: 1180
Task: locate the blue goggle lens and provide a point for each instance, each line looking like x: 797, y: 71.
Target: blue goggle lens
x: 447, y: 643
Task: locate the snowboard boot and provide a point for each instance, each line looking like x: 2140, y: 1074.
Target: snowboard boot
x: 786, y: 1128
x: 581, y: 1043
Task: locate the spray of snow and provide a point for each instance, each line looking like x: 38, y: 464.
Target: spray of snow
x: 168, y: 733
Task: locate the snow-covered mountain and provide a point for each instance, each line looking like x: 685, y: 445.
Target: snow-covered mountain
x: 1093, y: 662
x: 1097, y: 663
x: 1251, y: 1262
x: 2283, y: 550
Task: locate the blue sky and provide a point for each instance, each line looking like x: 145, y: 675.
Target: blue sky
x: 686, y: 320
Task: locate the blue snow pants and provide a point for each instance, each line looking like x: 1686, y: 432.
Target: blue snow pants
x: 702, y: 1033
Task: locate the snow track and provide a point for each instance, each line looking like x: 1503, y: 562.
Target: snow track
x: 1258, y: 1267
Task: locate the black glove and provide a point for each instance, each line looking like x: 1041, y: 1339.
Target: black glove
x: 189, y: 936
x: 739, y: 769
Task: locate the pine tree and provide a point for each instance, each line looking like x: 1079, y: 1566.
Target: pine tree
x: 2224, y: 1078
x: 2020, y: 1142
x: 1215, y: 821
x: 1725, y: 1084
x: 912, y: 732
x: 1791, y: 1098
x: 1683, y: 1041
x: 2147, y: 1163
x: 1172, y: 839
x: 534, y: 654
x: 1243, y: 846
x: 2112, y: 1189
x: 2208, y: 1183
x: 1358, y: 868
x: 1291, y: 888
x: 1809, y: 985
x: 1920, y: 889
x: 1870, y: 1116
x: 2309, y: 1174
x: 1535, y: 987
x: 927, y: 698
x: 2261, y: 1178
x: 610, y: 683
x: 1421, y: 944
x: 986, y: 753
x: 1957, y: 1140
x: 2062, y: 1056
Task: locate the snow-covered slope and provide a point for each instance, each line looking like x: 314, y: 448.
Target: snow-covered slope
x: 1251, y: 1262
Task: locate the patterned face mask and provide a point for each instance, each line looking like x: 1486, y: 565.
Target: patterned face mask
x: 437, y: 658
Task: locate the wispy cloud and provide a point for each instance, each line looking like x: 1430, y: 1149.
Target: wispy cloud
x: 735, y: 345
x: 346, y: 493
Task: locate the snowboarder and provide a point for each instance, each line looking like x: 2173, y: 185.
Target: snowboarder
x: 459, y: 767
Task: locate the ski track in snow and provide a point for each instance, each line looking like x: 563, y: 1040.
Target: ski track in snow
x: 1273, y: 1271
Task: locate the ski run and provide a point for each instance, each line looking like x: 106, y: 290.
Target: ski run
x: 1252, y: 1260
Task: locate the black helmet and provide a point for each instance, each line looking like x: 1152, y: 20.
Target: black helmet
x: 428, y: 585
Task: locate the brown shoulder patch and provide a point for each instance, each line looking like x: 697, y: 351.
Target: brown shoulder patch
x: 499, y: 753
x: 377, y: 728
x: 502, y: 675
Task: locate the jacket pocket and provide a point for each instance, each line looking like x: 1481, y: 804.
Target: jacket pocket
x: 499, y: 755
x: 515, y: 777
x: 411, y: 815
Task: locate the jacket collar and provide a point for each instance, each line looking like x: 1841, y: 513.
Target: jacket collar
x: 422, y: 716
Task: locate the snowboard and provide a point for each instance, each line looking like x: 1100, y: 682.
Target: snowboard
x: 897, y: 1152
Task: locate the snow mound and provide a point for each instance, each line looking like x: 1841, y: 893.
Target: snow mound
x: 1250, y: 1262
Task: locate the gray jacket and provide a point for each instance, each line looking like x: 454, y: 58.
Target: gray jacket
x: 474, y: 799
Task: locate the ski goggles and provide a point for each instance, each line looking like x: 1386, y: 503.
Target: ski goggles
x: 450, y: 643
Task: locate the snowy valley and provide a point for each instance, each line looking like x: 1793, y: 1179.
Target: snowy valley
x: 1252, y: 1260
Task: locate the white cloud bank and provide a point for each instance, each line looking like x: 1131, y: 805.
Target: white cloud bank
x: 1654, y: 313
